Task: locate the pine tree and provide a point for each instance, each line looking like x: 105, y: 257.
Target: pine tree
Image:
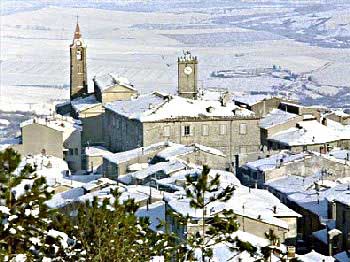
x: 26, y: 223
x: 218, y: 228
x: 111, y: 232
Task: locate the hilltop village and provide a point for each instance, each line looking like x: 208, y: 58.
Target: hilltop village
x: 289, y: 163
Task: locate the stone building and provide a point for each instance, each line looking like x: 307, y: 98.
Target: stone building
x: 260, y: 104
x: 90, y: 110
x: 88, y: 107
x: 276, y: 121
x: 56, y: 136
x: 257, y: 212
x: 156, y: 117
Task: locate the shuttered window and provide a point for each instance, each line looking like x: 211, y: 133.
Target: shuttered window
x: 243, y: 129
x: 205, y: 130
x: 223, y: 130
x: 166, y: 131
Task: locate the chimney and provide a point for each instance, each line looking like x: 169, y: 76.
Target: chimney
x: 224, y: 99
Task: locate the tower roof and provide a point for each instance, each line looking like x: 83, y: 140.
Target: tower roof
x: 77, y: 33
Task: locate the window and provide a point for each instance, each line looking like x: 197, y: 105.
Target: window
x: 79, y: 55
x: 166, y: 131
x: 223, y: 130
x: 243, y: 129
x: 71, y: 151
x: 205, y: 130
x: 76, y: 151
x: 186, y: 131
x: 113, y: 122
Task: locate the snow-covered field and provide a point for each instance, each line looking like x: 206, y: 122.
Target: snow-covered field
x: 142, y: 39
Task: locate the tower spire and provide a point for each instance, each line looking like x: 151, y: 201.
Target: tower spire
x: 77, y: 33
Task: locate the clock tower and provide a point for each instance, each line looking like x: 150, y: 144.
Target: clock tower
x: 78, y: 76
x: 187, y: 75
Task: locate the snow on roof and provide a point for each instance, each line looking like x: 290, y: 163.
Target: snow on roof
x: 65, y: 124
x: 250, y: 99
x: 155, y: 107
x: 343, y: 197
x: 274, y: 161
x: 61, y: 199
x: 276, y: 117
x: 155, y: 212
x: 341, y: 113
x: 178, y: 149
x: 178, y: 179
x: 291, y: 184
x: 82, y: 103
x: 53, y: 169
x: 308, y: 133
x: 131, y: 154
x: 253, y: 203
x: 310, y: 192
x: 99, y: 183
x: 165, y: 167
x: 313, y: 256
x: 341, y: 154
x: 97, y: 151
x: 105, y: 81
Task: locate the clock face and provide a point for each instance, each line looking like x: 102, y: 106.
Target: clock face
x: 188, y: 70
x: 78, y: 42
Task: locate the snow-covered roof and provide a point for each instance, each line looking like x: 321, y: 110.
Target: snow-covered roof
x: 341, y: 113
x: 131, y: 154
x: 312, y: 192
x: 97, y: 151
x: 60, y: 123
x: 165, y: 167
x: 276, y: 117
x: 253, y: 203
x: 178, y: 179
x: 178, y: 150
x: 155, y: 212
x: 313, y: 256
x: 53, y: 169
x: 308, y: 133
x: 105, y: 81
x: 82, y: 103
x: 250, y: 99
x: 274, y: 161
x: 340, y: 154
x: 156, y: 107
x: 61, y: 199
x: 99, y: 183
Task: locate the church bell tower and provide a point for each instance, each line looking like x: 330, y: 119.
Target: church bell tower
x: 78, y: 76
x: 187, y: 76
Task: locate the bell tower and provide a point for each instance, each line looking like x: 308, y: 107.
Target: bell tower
x: 187, y: 75
x: 78, y: 76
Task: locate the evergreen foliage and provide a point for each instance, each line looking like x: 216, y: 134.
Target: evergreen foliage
x: 215, y: 228
x: 110, y: 231
x: 26, y: 224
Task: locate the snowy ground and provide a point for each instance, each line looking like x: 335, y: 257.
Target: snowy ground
x: 141, y: 41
